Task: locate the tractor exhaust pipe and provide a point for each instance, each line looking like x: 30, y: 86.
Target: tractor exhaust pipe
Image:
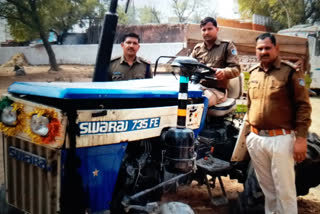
x: 101, y: 71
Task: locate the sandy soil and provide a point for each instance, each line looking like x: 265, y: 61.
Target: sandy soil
x: 194, y: 195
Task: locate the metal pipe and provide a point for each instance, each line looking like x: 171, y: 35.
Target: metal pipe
x: 139, y: 194
x: 156, y: 64
x: 127, y: 6
x: 101, y: 71
x: 113, y: 6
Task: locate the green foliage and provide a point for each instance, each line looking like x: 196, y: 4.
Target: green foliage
x: 241, y: 108
x: 27, y: 18
x: 185, y: 9
x: 285, y: 13
x: 123, y: 18
x: 308, y: 80
x: 132, y: 16
x: 68, y: 13
x: 5, y: 102
x: 20, y: 32
x: 249, y: 7
x: 148, y: 15
x: 30, y: 19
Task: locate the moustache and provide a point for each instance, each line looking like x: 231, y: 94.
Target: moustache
x: 266, y: 55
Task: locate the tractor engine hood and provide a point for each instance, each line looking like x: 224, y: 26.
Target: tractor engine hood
x: 146, y: 88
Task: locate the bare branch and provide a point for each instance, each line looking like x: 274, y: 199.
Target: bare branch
x: 155, y: 14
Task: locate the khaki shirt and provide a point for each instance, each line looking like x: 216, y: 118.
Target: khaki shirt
x: 275, y: 103
x: 121, y: 70
x: 222, y: 55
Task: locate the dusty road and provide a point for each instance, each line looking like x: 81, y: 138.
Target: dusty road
x: 196, y: 196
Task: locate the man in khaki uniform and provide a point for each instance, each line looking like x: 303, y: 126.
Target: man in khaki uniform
x: 129, y: 65
x: 221, y: 56
x: 279, y: 115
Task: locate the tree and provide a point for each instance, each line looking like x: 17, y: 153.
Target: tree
x: 30, y: 19
x: 202, y: 12
x: 183, y: 9
x: 123, y: 17
x: 71, y: 12
x: 286, y: 12
x: 149, y: 14
x: 132, y: 14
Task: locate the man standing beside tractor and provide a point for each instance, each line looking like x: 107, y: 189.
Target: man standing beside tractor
x: 129, y: 65
x: 279, y: 117
x: 221, y: 56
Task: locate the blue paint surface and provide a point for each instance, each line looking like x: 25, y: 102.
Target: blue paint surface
x: 146, y: 88
x: 184, y: 79
x: 203, y: 119
x: 99, y: 168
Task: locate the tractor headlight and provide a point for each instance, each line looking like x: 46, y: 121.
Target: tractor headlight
x: 39, y: 125
x: 9, y: 117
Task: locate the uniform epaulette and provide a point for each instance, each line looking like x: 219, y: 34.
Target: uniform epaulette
x: 198, y: 45
x: 115, y: 58
x: 253, y: 67
x: 290, y: 64
x: 225, y: 41
x: 144, y: 60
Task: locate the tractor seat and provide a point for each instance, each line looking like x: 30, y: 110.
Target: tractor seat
x: 234, y: 92
x: 222, y: 109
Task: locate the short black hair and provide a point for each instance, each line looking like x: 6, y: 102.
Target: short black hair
x: 267, y: 35
x: 208, y: 19
x: 131, y: 34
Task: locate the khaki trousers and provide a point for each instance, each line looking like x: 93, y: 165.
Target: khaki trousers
x: 215, y: 96
x: 272, y: 159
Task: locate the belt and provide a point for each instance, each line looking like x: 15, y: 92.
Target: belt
x: 271, y: 132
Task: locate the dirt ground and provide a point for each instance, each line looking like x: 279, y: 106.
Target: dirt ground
x: 194, y: 195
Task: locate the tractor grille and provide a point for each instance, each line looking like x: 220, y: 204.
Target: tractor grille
x: 32, y: 178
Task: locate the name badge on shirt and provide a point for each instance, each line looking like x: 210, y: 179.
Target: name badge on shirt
x: 116, y: 76
x: 233, y: 51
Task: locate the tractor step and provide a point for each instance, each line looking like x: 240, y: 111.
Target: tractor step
x: 213, y: 165
x: 215, y: 168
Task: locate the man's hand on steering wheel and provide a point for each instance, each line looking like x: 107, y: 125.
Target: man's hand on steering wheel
x: 220, y: 74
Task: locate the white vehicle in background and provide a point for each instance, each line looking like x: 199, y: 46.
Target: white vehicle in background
x: 312, y: 32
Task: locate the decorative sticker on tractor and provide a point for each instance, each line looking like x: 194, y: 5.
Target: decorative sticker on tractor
x: 44, y: 125
x: 12, y: 119
x: 28, y: 158
x: 194, y: 115
x: 105, y: 127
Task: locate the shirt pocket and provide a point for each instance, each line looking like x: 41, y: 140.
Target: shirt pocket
x: 254, y: 89
x: 139, y: 75
x: 216, y: 61
x: 277, y: 89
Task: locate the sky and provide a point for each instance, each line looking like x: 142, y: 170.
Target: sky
x: 224, y: 8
